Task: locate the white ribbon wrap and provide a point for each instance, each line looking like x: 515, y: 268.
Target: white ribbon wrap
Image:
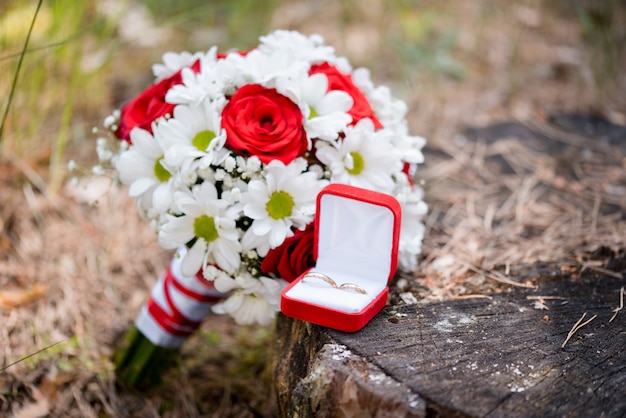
x: 176, y: 306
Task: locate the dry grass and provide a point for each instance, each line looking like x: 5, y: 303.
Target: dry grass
x: 75, y: 267
x: 516, y: 201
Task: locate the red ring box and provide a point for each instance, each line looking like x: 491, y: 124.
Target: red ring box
x: 356, y: 241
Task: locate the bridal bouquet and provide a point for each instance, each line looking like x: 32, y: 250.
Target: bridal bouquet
x: 225, y: 154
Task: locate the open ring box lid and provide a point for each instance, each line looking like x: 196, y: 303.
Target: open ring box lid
x: 356, y: 241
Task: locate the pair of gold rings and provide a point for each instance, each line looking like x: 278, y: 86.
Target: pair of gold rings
x: 344, y: 286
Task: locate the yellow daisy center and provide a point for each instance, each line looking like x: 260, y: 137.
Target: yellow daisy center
x: 202, y: 139
x: 279, y: 205
x: 204, y: 227
x: 160, y: 172
x: 358, y: 164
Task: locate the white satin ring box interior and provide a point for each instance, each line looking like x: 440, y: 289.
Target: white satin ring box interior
x: 355, y: 245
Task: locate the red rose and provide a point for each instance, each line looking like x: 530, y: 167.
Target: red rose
x: 293, y: 257
x: 262, y: 122
x: 340, y: 81
x: 149, y: 105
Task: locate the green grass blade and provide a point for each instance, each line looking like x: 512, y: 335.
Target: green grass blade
x: 17, y: 70
x: 29, y: 356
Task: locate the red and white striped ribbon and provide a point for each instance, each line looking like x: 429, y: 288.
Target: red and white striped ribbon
x: 177, y: 305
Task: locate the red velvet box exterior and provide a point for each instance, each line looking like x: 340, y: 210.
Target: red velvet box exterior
x: 345, y: 212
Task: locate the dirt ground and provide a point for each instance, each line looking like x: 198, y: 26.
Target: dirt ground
x: 75, y: 267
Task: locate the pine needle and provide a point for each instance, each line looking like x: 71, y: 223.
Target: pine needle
x: 621, y: 304
x: 576, y: 327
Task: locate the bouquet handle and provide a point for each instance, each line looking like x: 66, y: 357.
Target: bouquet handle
x: 173, y: 312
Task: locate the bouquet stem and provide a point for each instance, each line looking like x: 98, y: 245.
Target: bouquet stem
x: 141, y: 364
x: 175, y: 309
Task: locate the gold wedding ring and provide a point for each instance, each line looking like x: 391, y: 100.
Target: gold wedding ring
x: 323, y: 277
x: 352, y: 287
x: 344, y: 286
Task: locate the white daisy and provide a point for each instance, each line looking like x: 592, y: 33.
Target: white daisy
x: 325, y: 112
x: 173, y: 62
x: 252, y: 300
x: 211, y: 222
x: 142, y: 168
x: 409, y: 147
x: 260, y: 68
x: 281, y: 54
x: 412, y: 229
x: 285, y: 199
x: 391, y: 112
x: 388, y: 108
x: 192, y: 138
x: 364, y: 158
x: 214, y: 81
x: 297, y: 46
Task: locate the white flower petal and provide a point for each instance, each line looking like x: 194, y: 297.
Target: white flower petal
x: 225, y: 284
x: 192, y: 263
x: 230, y: 305
x: 140, y: 186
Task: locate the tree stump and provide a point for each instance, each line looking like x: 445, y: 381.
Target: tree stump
x: 555, y: 348
x: 502, y: 356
